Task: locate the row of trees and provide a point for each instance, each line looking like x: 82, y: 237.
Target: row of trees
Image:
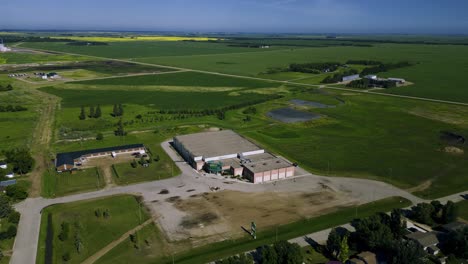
x: 281, y: 252
x: 314, y: 67
x: 93, y: 112
x: 434, y: 213
x: 363, y: 62
x: 5, y: 88
x: 12, y: 108
x: 338, y: 77
x: 366, y: 83
x: 377, y: 233
x: 385, y: 67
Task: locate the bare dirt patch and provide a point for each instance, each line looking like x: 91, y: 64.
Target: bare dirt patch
x: 220, y: 215
x: 454, y: 150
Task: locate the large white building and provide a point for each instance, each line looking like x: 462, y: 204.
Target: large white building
x: 226, y: 150
x: 3, y: 48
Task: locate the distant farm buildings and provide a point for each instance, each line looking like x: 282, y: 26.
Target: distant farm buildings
x: 350, y: 78
x: 3, y: 48
x: 69, y: 161
x: 227, y: 151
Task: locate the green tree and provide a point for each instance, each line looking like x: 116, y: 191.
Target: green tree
x: 14, y: 217
x: 91, y: 112
x: 406, y: 252
x: 16, y: 192
x: 423, y: 213
x: 449, y: 212
x: 5, y: 207
x: 98, y: 112
x: 288, y: 253
x: 268, y: 255
x: 371, y: 233
x: 397, y: 224
x: 121, y: 110
x: 120, y: 129
x: 20, y: 159
x: 344, y: 250
x: 457, y: 244
x: 115, y: 111
x: 82, y: 114
x: 99, y: 136
x: 333, y: 243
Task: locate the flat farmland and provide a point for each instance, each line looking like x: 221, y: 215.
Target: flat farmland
x: 194, y: 79
x: 144, y: 49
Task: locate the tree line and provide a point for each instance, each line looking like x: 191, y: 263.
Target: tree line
x: 20, y: 159
x: 366, y: 83
x: 12, y: 108
x: 8, y: 87
x: 93, y: 112
x: 314, y: 67
x: 384, y: 67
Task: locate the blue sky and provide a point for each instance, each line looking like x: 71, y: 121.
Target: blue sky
x: 292, y: 16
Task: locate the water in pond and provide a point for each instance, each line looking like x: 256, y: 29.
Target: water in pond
x: 289, y: 115
x: 310, y: 103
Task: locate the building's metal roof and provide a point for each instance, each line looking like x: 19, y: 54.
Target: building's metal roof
x: 7, y: 183
x: 424, y: 239
x: 68, y: 157
x: 216, y: 144
x: 267, y: 165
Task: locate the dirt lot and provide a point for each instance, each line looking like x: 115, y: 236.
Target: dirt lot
x: 217, y: 216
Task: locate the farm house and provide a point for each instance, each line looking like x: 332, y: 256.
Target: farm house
x: 72, y: 160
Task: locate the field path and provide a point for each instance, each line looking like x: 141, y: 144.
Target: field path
x: 107, y: 175
x: 42, y: 136
x: 114, y: 243
x: 267, y: 80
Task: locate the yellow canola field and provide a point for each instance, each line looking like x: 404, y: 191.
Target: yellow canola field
x: 137, y: 38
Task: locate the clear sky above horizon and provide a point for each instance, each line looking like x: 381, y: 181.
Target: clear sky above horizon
x: 286, y: 16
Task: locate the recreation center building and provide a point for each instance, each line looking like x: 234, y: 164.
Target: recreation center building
x: 226, y: 150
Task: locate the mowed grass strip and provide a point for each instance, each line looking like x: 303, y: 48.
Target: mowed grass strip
x: 187, y: 78
x: 60, y: 184
x: 226, y: 248
x: 93, y: 232
x: 159, y: 100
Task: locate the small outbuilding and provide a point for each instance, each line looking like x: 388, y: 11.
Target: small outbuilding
x: 3, y: 165
x: 350, y: 78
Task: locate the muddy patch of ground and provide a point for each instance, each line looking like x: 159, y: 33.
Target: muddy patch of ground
x: 164, y: 191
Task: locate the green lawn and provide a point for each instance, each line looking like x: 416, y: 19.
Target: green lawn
x: 126, y: 253
x: 311, y: 256
x: 60, y: 184
x: 93, y: 232
x: 125, y: 174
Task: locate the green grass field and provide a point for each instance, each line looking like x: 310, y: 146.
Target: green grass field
x: 182, y: 79
x: 375, y: 137
x: 60, y: 184
x: 126, y: 174
x: 21, y: 58
x: 126, y: 253
x: 94, y: 232
x: 158, y: 100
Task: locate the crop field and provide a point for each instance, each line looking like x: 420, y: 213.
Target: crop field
x: 87, y: 222
x: 145, y: 49
x: 182, y: 79
x: 434, y: 73
x: 137, y: 38
x: 157, y: 100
